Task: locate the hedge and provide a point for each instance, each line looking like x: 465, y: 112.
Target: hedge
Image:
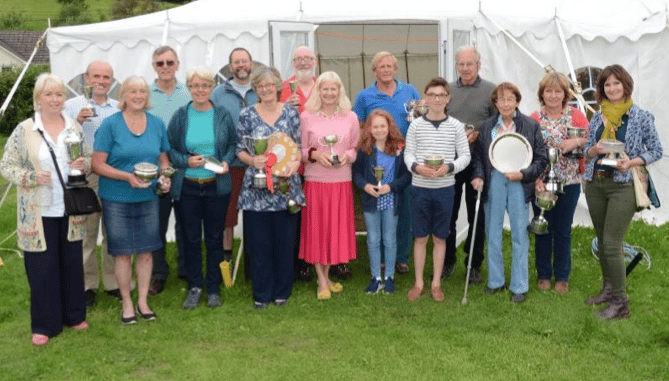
x: 21, y: 105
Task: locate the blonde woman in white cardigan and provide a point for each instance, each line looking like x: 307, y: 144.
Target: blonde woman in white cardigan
x: 51, y: 240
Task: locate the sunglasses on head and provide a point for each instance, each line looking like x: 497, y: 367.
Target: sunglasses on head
x: 161, y: 63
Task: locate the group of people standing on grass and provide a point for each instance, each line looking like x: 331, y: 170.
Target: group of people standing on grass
x: 321, y: 144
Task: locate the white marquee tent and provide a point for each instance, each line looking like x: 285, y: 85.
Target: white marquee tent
x: 578, y: 35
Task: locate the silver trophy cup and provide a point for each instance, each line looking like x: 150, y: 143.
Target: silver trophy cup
x: 553, y: 183
x: 257, y: 145
x: 613, y: 149
x: 378, y: 173
x: 545, y: 201
x: 88, y: 94
x: 75, y: 149
x: 330, y: 141
x: 575, y: 132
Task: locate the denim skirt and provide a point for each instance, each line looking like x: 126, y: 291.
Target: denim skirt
x: 132, y: 227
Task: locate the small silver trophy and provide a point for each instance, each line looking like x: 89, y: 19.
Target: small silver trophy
x: 330, y: 141
x: 75, y: 149
x: 553, y: 183
x: 88, y: 94
x: 415, y: 109
x: 167, y: 172
x: 292, y: 206
x: 145, y: 171
x: 545, y: 201
x: 257, y: 145
x: 378, y: 173
x: 575, y: 132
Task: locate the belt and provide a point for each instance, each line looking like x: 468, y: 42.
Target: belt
x: 602, y: 174
x: 200, y: 181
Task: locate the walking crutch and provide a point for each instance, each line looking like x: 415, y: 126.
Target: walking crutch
x: 471, y: 243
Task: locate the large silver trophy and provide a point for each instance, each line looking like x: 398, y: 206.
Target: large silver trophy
x: 75, y: 149
x: 415, y: 109
x: 575, y: 132
x: 553, y: 183
x: 613, y: 149
x: 330, y: 141
x: 257, y: 145
x: 545, y: 201
x: 88, y: 94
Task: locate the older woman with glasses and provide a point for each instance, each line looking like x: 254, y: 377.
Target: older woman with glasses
x: 270, y: 228
x: 198, y: 132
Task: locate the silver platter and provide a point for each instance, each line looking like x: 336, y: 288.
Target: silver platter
x: 510, y: 152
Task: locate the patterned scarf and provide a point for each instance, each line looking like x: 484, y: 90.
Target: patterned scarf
x: 613, y: 115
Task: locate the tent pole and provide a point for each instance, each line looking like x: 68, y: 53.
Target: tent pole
x: 406, y: 64
x: 364, y: 76
x: 577, y: 86
x: 23, y: 72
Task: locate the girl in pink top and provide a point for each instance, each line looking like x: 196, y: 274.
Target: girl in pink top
x: 328, y: 231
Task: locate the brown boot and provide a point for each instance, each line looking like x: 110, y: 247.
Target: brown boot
x: 616, y: 310
x: 603, y: 297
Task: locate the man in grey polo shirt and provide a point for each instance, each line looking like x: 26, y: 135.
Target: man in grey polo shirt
x: 470, y: 104
x: 99, y: 75
x: 167, y: 95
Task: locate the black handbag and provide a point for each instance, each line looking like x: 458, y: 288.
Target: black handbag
x: 78, y: 201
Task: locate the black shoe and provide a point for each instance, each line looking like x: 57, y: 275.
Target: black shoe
x: 447, y: 272
x: 518, y: 298
x: 490, y: 291
x: 128, y: 320
x: 475, y: 276
x: 114, y: 293
x: 305, y: 274
x: 157, y: 286
x: 90, y: 299
x: 184, y: 277
x: 341, y: 271
x: 146, y: 317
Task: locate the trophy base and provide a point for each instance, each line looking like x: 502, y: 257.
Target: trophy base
x: 76, y: 181
x: 576, y: 154
x: 293, y: 207
x: 335, y: 159
x: 260, y: 181
x: 555, y: 187
x: 609, y: 162
x: 538, y: 228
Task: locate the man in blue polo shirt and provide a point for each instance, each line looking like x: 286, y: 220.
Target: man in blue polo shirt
x: 390, y: 94
x: 167, y: 95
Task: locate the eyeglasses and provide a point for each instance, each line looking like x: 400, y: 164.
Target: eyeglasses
x: 436, y: 96
x: 162, y: 63
x: 204, y: 86
x: 303, y: 59
x: 268, y: 86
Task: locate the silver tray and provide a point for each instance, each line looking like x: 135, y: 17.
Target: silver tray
x: 510, y: 152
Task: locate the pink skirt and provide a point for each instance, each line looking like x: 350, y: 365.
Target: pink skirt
x: 328, y: 226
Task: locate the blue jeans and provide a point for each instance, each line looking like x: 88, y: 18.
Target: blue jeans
x: 503, y: 196
x: 381, y: 224
x: 404, y: 236
x: 160, y: 266
x: 558, y: 239
x: 200, y: 205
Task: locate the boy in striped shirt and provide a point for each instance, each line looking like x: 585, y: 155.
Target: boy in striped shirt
x: 433, y: 134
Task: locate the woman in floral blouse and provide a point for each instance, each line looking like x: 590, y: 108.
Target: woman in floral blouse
x: 270, y: 228
x: 554, y: 118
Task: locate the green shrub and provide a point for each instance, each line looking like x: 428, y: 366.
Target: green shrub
x: 21, y: 105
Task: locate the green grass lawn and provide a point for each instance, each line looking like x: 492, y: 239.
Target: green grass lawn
x: 355, y: 336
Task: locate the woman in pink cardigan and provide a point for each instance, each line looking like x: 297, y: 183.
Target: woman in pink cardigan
x: 328, y: 231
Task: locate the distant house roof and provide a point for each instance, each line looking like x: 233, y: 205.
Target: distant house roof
x: 22, y: 44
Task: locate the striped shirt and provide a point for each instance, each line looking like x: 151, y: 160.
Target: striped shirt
x: 448, y: 140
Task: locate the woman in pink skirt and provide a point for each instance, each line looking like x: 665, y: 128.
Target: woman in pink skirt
x: 328, y: 231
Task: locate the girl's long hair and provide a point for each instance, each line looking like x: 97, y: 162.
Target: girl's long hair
x: 394, y: 140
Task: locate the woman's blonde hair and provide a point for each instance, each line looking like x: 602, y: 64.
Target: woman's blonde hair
x: 201, y: 72
x: 127, y: 85
x: 42, y: 82
x: 314, y: 102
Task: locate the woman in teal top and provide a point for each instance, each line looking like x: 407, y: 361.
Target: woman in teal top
x: 197, y: 131
x: 129, y: 206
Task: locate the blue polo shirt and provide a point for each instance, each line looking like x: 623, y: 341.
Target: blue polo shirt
x: 371, y: 98
x: 124, y: 150
x: 164, y: 105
